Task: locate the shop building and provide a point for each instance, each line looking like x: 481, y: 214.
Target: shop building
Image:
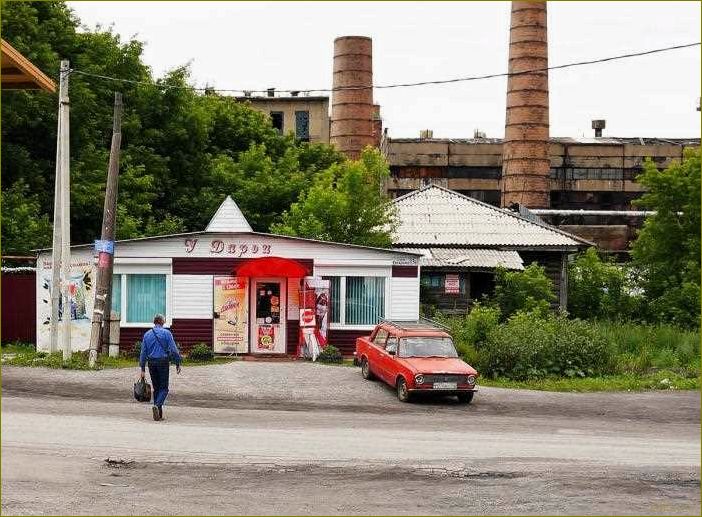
x: 235, y: 289
x: 463, y: 240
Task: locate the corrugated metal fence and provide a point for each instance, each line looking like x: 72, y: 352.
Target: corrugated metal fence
x: 19, y: 294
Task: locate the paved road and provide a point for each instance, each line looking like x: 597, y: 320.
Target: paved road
x: 282, y: 438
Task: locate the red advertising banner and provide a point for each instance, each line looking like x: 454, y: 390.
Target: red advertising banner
x: 452, y: 284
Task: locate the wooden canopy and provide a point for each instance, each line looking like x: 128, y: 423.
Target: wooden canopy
x: 18, y: 73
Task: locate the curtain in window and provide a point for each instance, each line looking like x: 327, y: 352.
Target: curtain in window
x: 146, y: 296
x: 117, y: 293
x: 334, y: 294
x: 365, y: 300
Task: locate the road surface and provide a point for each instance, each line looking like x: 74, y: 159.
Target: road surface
x: 291, y: 438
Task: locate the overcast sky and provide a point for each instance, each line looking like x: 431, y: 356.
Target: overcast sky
x: 289, y: 45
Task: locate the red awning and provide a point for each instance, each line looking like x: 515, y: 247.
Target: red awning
x: 272, y: 266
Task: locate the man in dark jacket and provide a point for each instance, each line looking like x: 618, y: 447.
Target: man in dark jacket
x: 157, y: 348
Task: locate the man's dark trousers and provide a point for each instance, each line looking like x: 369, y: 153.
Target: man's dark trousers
x: 158, y: 370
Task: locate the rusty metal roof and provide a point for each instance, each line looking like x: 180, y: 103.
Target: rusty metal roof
x: 605, y: 140
x: 468, y: 258
x: 438, y: 217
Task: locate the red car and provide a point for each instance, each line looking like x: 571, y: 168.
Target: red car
x: 415, y: 357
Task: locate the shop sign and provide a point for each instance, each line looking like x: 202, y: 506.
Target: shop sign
x: 231, y: 328
x: 236, y: 249
x: 451, y: 284
x: 409, y: 261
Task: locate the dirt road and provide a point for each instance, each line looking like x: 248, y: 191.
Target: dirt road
x: 271, y: 438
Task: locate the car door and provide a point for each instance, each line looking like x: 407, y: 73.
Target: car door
x: 376, y: 351
x: 389, y: 360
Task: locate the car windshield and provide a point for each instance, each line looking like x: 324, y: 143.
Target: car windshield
x: 427, y: 346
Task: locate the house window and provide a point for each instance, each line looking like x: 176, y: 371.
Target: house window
x: 277, y: 120
x: 146, y: 296
x: 302, y: 125
x: 117, y: 294
x: 433, y: 280
x: 335, y: 296
x: 365, y: 300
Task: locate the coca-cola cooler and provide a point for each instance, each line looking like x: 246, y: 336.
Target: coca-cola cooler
x: 314, y: 316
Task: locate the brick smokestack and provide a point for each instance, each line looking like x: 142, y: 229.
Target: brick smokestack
x: 352, y: 109
x: 526, y: 160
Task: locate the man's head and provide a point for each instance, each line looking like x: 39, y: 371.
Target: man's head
x: 159, y: 319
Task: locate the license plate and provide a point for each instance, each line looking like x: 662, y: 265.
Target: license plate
x: 444, y: 386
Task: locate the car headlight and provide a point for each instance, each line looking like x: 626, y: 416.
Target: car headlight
x: 419, y: 379
x: 471, y: 379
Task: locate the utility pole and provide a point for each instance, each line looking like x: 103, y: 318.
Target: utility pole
x: 64, y: 136
x: 105, y: 247
x: 56, y: 246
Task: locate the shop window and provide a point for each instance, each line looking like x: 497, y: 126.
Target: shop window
x: 117, y: 294
x: 277, y: 120
x: 302, y: 125
x: 365, y: 300
x: 146, y: 296
x: 335, y: 296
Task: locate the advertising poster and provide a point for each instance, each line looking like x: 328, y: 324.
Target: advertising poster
x: 452, y: 284
x: 231, y: 329
x: 81, y: 295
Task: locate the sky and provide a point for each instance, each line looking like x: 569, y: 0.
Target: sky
x: 289, y: 45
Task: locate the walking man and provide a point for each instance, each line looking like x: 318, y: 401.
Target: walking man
x: 157, y: 348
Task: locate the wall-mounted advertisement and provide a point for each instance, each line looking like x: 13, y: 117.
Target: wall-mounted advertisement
x: 231, y: 327
x: 314, y: 316
x: 81, y: 283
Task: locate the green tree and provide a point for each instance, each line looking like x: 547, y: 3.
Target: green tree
x: 345, y: 204
x: 666, y: 253
x: 529, y: 290
x: 23, y: 226
x: 600, y: 288
x: 182, y: 152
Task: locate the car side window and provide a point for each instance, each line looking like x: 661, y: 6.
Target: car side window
x: 391, y: 345
x: 380, y: 338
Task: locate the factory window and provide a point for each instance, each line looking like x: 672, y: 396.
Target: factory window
x: 302, y: 125
x: 277, y: 120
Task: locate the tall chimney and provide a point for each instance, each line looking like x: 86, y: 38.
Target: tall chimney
x: 526, y: 159
x: 352, y: 99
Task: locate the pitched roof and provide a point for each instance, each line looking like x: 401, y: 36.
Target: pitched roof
x: 468, y: 258
x: 436, y: 216
x: 228, y: 218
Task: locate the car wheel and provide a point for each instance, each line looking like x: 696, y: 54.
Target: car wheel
x: 465, y: 398
x: 365, y: 369
x: 403, y: 393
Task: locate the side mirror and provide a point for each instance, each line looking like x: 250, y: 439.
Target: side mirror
x: 391, y: 351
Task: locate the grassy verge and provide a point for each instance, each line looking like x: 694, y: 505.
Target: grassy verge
x: 660, y: 380
x: 25, y: 355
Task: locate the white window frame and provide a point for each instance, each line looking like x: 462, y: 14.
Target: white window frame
x: 341, y: 325
x: 142, y: 269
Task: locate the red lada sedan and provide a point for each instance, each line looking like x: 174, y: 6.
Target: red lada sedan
x: 415, y: 357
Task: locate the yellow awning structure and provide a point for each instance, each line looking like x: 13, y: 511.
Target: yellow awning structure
x: 18, y: 73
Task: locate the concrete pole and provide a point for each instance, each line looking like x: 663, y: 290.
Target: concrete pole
x: 65, y: 211
x: 56, y: 246
x: 103, y: 282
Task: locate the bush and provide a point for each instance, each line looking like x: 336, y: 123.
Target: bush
x: 600, y: 289
x: 528, y: 290
x: 529, y: 346
x: 201, y: 352
x: 471, y: 331
x: 135, y: 352
x: 330, y: 354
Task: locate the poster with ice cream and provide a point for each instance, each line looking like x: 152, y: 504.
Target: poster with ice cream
x: 231, y: 329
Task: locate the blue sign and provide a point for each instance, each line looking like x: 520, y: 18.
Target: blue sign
x: 105, y: 247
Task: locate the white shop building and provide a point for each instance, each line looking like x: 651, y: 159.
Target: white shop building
x: 229, y: 287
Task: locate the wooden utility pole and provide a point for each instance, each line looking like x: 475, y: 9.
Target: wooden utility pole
x: 103, y: 283
x: 65, y: 211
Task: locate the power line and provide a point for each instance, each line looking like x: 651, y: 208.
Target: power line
x: 397, y: 85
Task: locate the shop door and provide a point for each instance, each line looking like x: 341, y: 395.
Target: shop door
x: 230, y: 315
x: 268, y: 307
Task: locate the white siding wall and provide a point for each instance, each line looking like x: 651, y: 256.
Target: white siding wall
x: 192, y: 296
x: 404, y: 295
